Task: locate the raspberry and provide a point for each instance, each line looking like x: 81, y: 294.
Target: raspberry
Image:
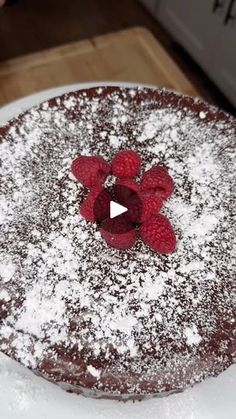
x: 157, y: 180
x: 125, y: 189
x: 126, y: 164
x: 90, y: 171
x: 150, y: 205
x: 126, y: 193
x: 118, y: 233
x: 158, y: 234
x: 128, y: 183
x: 96, y: 206
x: 141, y: 207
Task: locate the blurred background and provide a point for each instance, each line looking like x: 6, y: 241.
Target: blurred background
x: 187, y: 45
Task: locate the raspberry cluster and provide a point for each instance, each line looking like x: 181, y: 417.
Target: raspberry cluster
x: 143, y: 199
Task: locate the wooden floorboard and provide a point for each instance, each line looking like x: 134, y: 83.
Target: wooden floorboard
x: 33, y: 25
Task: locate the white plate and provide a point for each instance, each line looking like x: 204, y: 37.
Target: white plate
x: 25, y: 396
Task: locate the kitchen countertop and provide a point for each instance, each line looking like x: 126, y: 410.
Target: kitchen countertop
x: 131, y: 55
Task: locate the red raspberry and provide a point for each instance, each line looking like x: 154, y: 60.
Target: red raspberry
x: 96, y: 206
x: 124, y: 190
x: 118, y: 233
x: 128, y: 183
x: 158, y: 234
x: 157, y: 180
x: 141, y: 207
x: 90, y: 171
x: 150, y: 205
x: 126, y: 164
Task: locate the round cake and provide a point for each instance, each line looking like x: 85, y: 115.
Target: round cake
x: 99, y: 321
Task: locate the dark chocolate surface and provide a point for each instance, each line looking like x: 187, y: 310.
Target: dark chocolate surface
x: 100, y: 321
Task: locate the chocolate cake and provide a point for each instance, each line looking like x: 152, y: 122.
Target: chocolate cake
x: 96, y: 320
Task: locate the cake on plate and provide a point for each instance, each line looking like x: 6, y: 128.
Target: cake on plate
x: 97, y: 320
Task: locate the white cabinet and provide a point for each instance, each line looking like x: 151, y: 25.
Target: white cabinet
x: 193, y: 24
x: 207, y: 30
x: 224, y: 58
x: 151, y: 5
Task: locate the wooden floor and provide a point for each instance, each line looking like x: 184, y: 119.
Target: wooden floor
x: 33, y: 25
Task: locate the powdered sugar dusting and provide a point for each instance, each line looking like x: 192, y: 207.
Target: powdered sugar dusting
x: 192, y: 336
x: 4, y: 295
x: 68, y: 290
x: 7, y: 270
x: 93, y: 371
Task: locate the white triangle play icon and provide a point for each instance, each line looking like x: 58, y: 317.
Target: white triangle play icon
x: 116, y: 209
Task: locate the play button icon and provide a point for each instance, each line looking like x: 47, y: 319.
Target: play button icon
x: 115, y: 204
x: 116, y: 209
